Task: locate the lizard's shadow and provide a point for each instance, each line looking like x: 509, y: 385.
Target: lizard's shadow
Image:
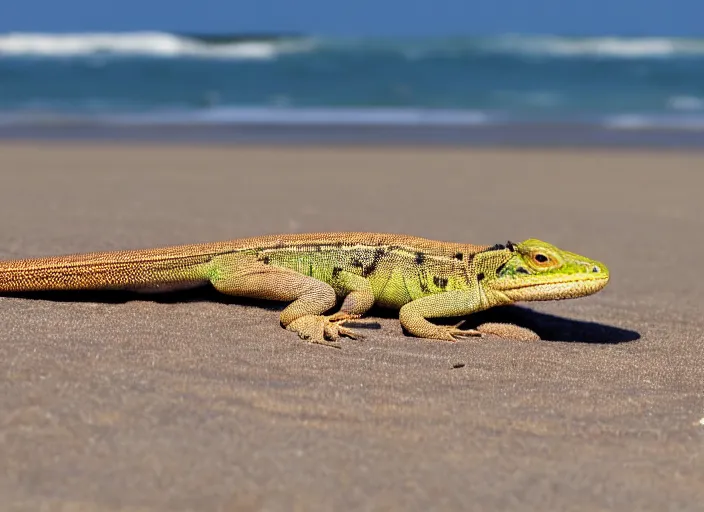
x: 554, y: 328
x: 548, y: 327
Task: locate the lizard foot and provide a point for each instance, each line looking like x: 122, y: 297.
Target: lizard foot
x: 508, y: 331
x: 453, y: 332
x: 323, y: 330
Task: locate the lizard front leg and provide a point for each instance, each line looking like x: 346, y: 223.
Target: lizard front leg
x: 245, y: 276
x: 448, y: 304
x: 358, y: 299
x: 358, y: 294
x: 454, y: 303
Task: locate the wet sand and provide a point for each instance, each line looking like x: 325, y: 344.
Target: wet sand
x: 194, y: 401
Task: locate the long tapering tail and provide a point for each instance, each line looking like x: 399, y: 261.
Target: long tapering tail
x: 105, y: 270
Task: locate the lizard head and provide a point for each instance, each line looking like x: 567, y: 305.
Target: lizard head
x: 536, y: 270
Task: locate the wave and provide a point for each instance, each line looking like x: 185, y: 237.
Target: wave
x: 685, y: 103
x: 549, y: 46
x: 330, y: 116
x: 310, y: 116
x: 228, y: 46
x: 276, y: 116
x: 393, y: 117
x: 340, y: 117
x: 154, y: 44
x: 653, y: 122
x: 609, y: 47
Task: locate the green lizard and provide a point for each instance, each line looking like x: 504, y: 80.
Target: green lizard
x: 422, y: 278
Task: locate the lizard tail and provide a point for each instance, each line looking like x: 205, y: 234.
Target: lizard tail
x: 122, y: 270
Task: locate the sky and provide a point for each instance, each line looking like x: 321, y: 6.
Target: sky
x: 360, y: 17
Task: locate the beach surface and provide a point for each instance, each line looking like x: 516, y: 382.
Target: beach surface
x: 194, y: 401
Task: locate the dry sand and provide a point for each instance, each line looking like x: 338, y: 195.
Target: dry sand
x: 199, y: 402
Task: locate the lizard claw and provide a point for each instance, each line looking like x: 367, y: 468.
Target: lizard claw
x: 453, y: 332
x: 323, y: 330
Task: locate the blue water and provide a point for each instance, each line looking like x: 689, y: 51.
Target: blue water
x: 161, y: 78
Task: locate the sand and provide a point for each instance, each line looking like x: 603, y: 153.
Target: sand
x: 199, y: 402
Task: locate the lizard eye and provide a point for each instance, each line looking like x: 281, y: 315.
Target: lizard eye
x: 542, y: 260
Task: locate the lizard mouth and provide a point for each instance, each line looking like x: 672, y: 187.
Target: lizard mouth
x: 556, y: 290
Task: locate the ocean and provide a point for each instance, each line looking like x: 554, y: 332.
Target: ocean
x: 509, y: 84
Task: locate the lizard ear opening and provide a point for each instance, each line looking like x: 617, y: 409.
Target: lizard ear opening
x: 494, y: 258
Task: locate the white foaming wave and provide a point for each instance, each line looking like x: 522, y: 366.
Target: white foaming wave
x: 156, y: 44
x: 610, y: 47
x: 235, y: 115
x: 312, y: 116
x: 685, y: 103
x: 526, y: 45
x: 653, y: 122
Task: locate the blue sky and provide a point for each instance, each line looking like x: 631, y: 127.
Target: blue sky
x: 360, y: 17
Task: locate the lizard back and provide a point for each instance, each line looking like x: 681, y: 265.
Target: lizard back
x: 364, y: 253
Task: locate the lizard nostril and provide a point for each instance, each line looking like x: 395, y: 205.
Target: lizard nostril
x: 595, y: 269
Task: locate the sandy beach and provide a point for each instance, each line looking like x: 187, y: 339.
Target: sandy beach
x: 195, y: 401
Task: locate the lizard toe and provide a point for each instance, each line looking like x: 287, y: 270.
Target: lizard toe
x: 508, y: 331
x: 350, y: 333
x: 455, y: 333
x: 334, y: 327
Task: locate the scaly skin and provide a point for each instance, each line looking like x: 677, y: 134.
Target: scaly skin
x: 422, y: 278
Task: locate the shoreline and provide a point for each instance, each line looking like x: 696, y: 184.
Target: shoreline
x: 546, y: 136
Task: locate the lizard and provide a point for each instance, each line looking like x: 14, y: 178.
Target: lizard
x: 421, y: 278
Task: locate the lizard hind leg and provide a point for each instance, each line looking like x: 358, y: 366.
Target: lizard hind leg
x: 244, y: 276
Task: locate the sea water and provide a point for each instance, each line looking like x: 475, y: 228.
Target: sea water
x: 157, y: 78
